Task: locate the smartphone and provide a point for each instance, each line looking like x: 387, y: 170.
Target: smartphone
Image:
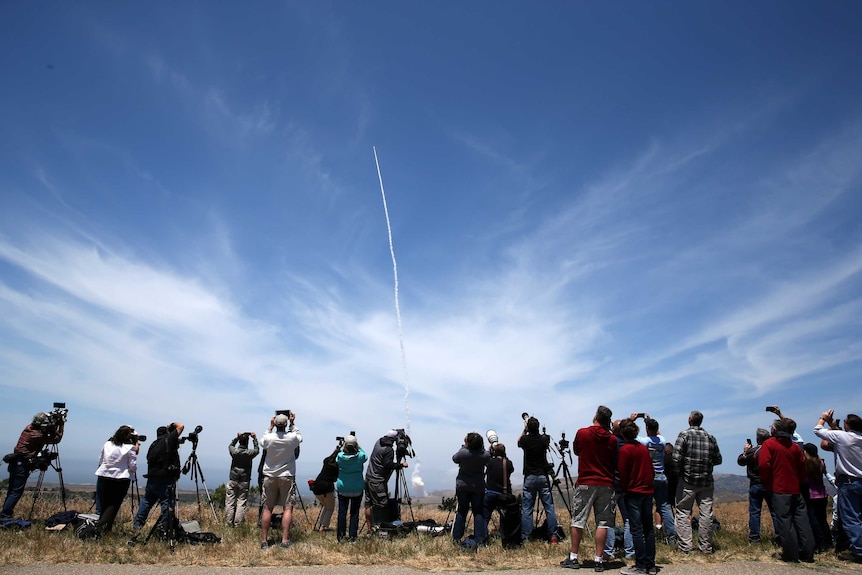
x: 771, y: 408
x: 748, y: 440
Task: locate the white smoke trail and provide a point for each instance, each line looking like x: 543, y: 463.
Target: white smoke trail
x: 417, y: 480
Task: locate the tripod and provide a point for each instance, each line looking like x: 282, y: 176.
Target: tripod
x: 401, y: 491
x: 167, y: 521
x: 194, y: 466
x: 562, y: 450
x: 48, y: 457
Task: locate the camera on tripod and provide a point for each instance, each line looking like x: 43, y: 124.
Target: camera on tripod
x: 403, y: 445
x: 52, y: 424
x: 192, y: 436
x: 563, y: 443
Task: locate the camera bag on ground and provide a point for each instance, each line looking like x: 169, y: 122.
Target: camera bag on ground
x: 192, y: 534
x: 86, y: 526
x: 510, y: 524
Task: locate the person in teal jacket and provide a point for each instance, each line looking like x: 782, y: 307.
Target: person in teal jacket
x: 350, y: 487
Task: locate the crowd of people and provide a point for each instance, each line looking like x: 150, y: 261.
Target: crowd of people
x: 654, y: 484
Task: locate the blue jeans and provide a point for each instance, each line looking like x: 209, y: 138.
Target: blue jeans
x: 850, y: 511
x: 475, y: 501
x: 639, y: 510
x: 536, y: 485
x: 662, y: 505
x: 18, y: 474
x: 158, y: 489
x: 628, y: 542
x: 756, y: 497
x: 341, y: 524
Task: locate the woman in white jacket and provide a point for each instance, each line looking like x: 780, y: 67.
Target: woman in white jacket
x: 117, y: 462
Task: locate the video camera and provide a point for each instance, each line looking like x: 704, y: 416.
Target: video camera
x: 403, y: 445
x: 52, y: 425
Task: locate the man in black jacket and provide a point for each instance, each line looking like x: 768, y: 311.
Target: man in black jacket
x: 163, y: 471
x: 381, y: 464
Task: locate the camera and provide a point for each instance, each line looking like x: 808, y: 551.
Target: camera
x: 285, y: 412
x: 340, y: 439
x: 403, y: 445
x: 563, y: 443
x: 193, y: 436
x: 42, y: 460
x: 136, y: 438
x: 52, y: 425
x: 243, y: 437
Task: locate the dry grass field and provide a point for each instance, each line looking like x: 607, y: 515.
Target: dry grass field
x: 241, y: 546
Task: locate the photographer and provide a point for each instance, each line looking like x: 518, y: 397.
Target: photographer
x: 323, y: 488
x: 350, y: 485
x: 847, y: 445
x: 380, y: 467
x: 498, y: 481
x: 536, y: 481
x: 163, y: 471
x: 43, y: 430
x: 470, y: 488
x: 117, y: 463
x: 279, y: 471
x: 236, y: 493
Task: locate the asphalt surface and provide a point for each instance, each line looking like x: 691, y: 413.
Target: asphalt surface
x: 731, y: 568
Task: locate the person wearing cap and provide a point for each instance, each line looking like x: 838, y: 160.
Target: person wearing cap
x: 350, y: 486
x: 118, y: 461
x: 279, y: 471
x: 846, y: 445
x: 380, y: 467
x: 757, y: 494
x: 655, y: 444
x: 241, y: 460
x: 31, y: 441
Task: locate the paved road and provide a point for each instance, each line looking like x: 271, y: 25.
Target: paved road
x: 734, y: 568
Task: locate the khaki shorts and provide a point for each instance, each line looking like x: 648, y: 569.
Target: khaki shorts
x: 279, y: 491
x: 376, y: 494
x: 599, y: 498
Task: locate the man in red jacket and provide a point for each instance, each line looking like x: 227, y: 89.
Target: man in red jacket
x: 596, y: 448
x: 636, y: 484
x: 782, y: 469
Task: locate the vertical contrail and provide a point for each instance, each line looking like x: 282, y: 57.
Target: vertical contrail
x: 416, y: 478
x: 397, y: 305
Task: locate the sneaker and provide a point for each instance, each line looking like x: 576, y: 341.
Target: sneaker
x: 554, y: 539
x: 600, y: 566
x: 633, y: 570
x: 264, y: 545
x: 653, y: 570
x: 285, y: 544
x: 570, y: 563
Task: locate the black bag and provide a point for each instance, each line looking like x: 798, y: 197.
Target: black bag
x: 86, y: 528
x: 510, y: 524
x: 157, y: 454
x: 201, y: 537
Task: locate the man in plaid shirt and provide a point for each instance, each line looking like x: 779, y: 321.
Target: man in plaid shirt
x: 694, y: 456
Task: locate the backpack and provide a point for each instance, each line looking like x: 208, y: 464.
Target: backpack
x: 157, y: 454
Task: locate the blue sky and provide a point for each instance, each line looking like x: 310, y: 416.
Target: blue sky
x: 652, y: 206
